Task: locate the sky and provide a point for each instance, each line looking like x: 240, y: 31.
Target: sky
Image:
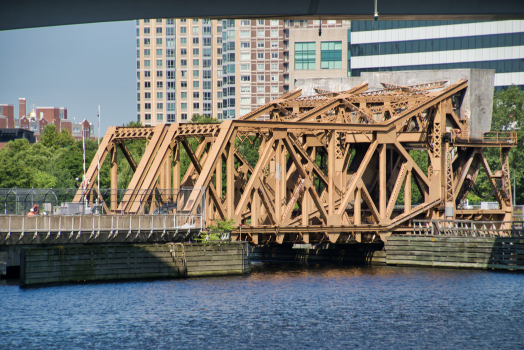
x: 77, y: 67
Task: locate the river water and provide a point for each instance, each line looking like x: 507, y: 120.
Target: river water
x: 277, y: 307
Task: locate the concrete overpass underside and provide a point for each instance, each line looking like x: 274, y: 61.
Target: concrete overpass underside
x: 17, y: 14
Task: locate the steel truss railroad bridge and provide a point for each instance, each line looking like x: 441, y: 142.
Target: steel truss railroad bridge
x: 330, y: 167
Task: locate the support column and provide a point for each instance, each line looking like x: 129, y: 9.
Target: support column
x: 407, y: 193
x: 230, y: 176
x: 255, y: 208
x: 331, y: 173
x: 357, y: 214
x: 278, y: 181
x: 176, y: 173
x: 382, y: 182
x: 114, y: 178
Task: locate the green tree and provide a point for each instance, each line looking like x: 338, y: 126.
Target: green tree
x: 198, y: 118
x: 51, y: 138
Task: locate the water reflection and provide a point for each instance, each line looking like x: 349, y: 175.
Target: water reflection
x: 277, y: 306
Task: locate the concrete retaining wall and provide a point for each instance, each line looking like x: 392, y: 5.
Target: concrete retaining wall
x: 120, y: 262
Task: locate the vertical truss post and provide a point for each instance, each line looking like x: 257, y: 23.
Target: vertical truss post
x: 279, y: 179
x: 230, y: 175
x: 448, y: 186
x: 357, y: 214
x: 407, y: 193
x: 114, y: 178
x: 331, y: 173
x: 382, y: 182
x: 176, y: 170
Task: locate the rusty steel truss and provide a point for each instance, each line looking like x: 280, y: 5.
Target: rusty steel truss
x: 330, y: 167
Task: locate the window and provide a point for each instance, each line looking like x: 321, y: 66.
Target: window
x: 138, y: 86
x: 207, y: 85
x: 159, y: 30
x: 183, y: 30
x: 196, y: 94
x: 206, y: 30
x: 137, y: 64
x: 245, y: 56
x: 245, y: 67
x: 245, y: 100
x: 260, y: 78
x: 159, y: 95
x: 196, y: 74
x: 331, y: 55
x: 207, y: 74
x: 219, y: 62
x: 183, y: 106
x: 260, y: 22
x: 260, y: 33
x: 195, y: 20
x: 207, y: 107
x: 183, y: 84
x: 171, y: 75
x: 196, y: 105
x: 170, y: 42
x: 159, y: 84
x: 260, y: 66
x: 261, y: 100
x: 260, y: 55
x: 183, y: 52
x: 138, y: 96
x: 245, y: 89
x: 183, y: 20
x: 196, y: 84
x: 196, y: 30
x: 147, y: 73
x: 170, y: 31
x: 245, y: 22
x: 171, y: 96
x: 183, y: 95
x: 245, y: 78
x: 196, y: 51
x: 195, y: 41
x: 274, y: 44
x: 207, y: 96
x: 170, y: 53
x: 245, y: 45
x: 183, y: 41
x: 183, y: 116
x: 183, y: 73
x: 137, y: 53
x: 159, y: 74
x: 196, y: 63
x: 147, y: 41
x: 260, y: 44
x: 147, y: 52
x: 159, y: 63
x: 147, y: 30
x: 159, y: 117
x: 183, y: 63
x: 171, y: 118
x: 245, y: 33
x: 206, y: 41
x: 171, y: 85
x: 274, y: 88
x: 206, y: 63
x: 170, y: 63
x: 147, y: 106
x: 159, y: 20
x: 159, y: 41
x: 160, y: 105
x: 274, y: 66
x: 147, y: 116
x: 146, y: 20
x: 260, y: 88
x: 274, y: 54
x: 274, y: 22
x: 170, y: 21
x: 138, y: 75
x: 159, y: 52
x: 147, y: 84
x: 274, y: 33
x: 138, y: 107
x: 138, y: 42
x: 274, y: 77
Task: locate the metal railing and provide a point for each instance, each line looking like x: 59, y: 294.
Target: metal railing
x: 499, y: 137
x: 468, y: 228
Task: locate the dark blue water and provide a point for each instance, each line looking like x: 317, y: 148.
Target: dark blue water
x: 275, y: 307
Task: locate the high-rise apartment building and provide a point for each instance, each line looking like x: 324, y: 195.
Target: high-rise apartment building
x: 179, y: 69
x: 429, y: 45
x: 226, y: 68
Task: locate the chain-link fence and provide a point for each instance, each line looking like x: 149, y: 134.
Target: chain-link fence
x: 187, y: 203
